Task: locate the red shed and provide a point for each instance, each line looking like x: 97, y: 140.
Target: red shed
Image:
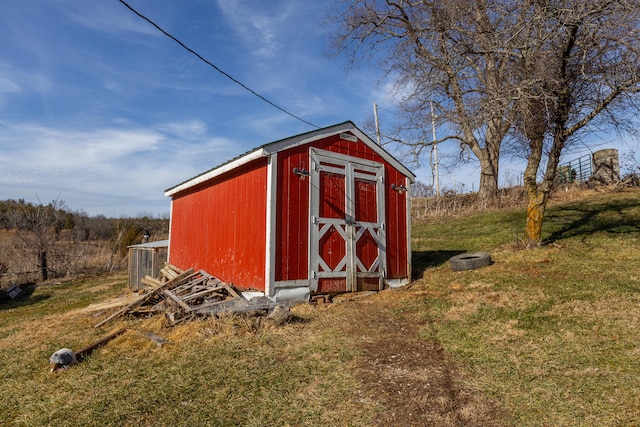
x: 322, y: 212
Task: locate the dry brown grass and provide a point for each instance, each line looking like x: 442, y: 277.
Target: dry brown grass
x: 457, y: 205
x: 67, y: 258
x: 552, y: 331
x: 547, y: 336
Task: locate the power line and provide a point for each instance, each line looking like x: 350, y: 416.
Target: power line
x: 227, y: 75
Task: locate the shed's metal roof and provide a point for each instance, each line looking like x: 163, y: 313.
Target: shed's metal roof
x: 285, y: 143
x: 152, y: 245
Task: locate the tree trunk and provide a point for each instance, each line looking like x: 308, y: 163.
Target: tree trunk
x: 43, y: 265
x: 536, y: 205
x: 488, y: 158
x: 536, y: 196
x: 488, y: 189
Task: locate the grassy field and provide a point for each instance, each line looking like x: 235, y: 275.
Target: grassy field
x: 551, y: 334
x: 227, y: 372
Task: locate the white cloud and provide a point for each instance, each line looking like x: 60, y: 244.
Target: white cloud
x: 7, y: 86
x: 189, y: 129
x: 111, y: 164
x: 108, y: 17
x: 258, y: 27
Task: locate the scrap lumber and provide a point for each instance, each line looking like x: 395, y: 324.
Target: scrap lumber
x: 150, y: 281
x: 113, y: 303
x: 177, y: 300
x: 206, y: 291
x: 84, y: 352
x: 174, y: 268
x: 168, y: 273
x: 238, y: 305
x: 175, y: 282
x: 185, y: 295
x: 157, y: 339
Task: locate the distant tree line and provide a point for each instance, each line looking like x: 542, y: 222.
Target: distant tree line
x: 58, y: 241
x: 21, y: 215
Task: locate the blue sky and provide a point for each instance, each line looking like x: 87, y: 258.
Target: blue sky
x: 101, y: 110
x: 104, y: 112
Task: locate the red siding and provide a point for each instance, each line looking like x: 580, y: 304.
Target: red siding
x: 396, y: 216
x: 396, y: 206
x: 220, y: 226
x: 348, y: 148
x: 292, y: 217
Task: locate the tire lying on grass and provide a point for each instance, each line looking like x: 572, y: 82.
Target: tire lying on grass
x: 469, y: 261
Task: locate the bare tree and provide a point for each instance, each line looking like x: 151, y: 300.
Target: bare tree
x: 447, y: 57
x: 538, y: 74
x: 38, y: 227
x: 578, y: 70
x: 126, y: 232
x: 420, y: 189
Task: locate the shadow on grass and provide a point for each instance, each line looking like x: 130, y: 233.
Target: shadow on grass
x: 23, y: 299
x: 582, y: 219
x: 422, y: 260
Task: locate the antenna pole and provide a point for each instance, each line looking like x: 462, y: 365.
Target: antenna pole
x: 375, y: 114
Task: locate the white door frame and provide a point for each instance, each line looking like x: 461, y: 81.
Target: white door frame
x: 350, y: 229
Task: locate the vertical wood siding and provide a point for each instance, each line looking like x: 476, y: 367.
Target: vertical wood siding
x: 220, y: 226
x: 396, y: 214
x: 292, y: 217
x: 292, y: 227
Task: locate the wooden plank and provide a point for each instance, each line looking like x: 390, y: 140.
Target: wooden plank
x: 202, y: 293
x: 174, y: 268
x: 188, y: 287
x: 113, y: 303
x: 232, y: 291
x: 155, y: 338
x: 236, y: 305
x: 168, y: 273
x: 214, y: 303
x: 150, y: 281
x: 180, y: 279
x: 179, y: 290
x: 146, y: 297
x: 177, y: 299
x: 81, y: 354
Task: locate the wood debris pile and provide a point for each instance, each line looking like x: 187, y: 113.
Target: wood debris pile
x: 186, y: 295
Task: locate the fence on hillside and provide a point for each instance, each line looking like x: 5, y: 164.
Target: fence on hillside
x: 579, y: 169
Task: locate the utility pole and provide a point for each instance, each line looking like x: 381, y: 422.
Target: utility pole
x: 436, y: 176
x: 375, y: 114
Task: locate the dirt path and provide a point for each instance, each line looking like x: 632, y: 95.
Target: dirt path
x: 411, y: 378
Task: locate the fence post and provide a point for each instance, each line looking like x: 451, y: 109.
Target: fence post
x: 580, y: 169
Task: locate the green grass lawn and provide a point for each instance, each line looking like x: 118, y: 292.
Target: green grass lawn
x: 551, y: 334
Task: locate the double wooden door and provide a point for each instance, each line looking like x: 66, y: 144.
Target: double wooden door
x: 347, y: 223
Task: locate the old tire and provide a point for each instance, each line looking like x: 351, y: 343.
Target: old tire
x: 469, y: 261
